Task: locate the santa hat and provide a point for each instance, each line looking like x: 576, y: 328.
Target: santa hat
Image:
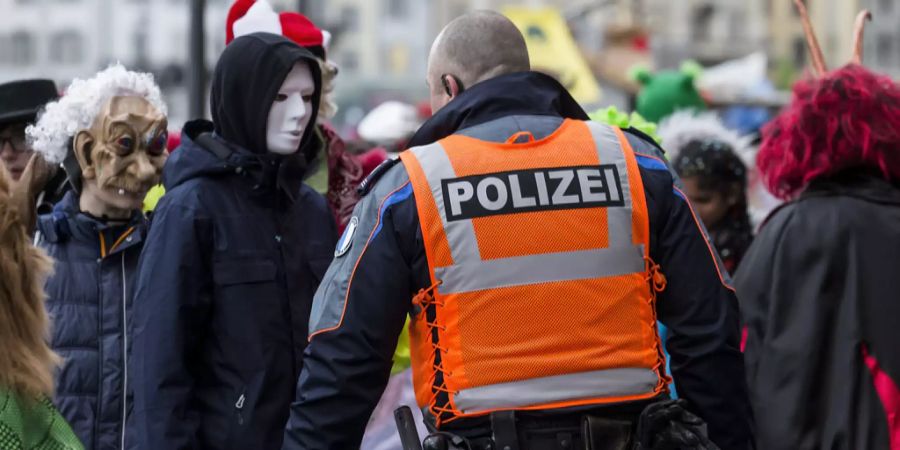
x: 253, y: 16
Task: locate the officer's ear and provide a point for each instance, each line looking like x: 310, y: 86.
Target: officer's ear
x: 452, y: 85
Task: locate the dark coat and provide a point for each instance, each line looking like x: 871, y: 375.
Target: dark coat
x: 818, y: 293
x: 90, y: 305
x: 365, y: 298
x: 236, y: 249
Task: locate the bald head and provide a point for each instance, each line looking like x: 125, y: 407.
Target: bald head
x: 475, y: 47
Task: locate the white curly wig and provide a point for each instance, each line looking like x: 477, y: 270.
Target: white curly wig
x: 76, y: 110
x: 682, y: 127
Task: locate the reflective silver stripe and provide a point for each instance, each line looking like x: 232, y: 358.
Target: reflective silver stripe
x: 460, y: 233
x: 558, y: 388
x: 609, y: 151
x: 533, y: 269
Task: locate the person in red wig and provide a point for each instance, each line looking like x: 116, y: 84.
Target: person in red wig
x: 816, y: 287
x: 335, y: 173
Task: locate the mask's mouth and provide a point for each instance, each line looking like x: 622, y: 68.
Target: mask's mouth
x: 296, y: 133
x: 133, y: 190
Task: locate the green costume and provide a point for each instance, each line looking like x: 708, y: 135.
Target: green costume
x: 33, y: 425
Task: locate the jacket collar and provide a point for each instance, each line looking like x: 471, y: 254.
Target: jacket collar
x: 263, y: 173
x: 522, y: 93
x: 865, y: 184
x: 269, y: 171
x: 67, y: 221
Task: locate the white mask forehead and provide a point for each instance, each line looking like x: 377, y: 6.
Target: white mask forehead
x: 291, y: 111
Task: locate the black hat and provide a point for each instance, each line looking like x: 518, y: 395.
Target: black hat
x: 21, y: 100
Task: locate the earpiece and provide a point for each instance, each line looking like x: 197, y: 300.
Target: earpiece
x: 446, y: 85
x: 447, y: 89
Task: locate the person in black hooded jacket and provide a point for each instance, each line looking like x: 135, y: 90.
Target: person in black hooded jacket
x: 236, y: 249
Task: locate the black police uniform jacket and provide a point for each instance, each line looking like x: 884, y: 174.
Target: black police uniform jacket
x: 361, y: 312
x: 236, y: 249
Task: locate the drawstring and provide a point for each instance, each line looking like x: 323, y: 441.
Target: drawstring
x: 657, y: 282
x: 655, y: 277
x: 103, y: 249
x: 422, y: 300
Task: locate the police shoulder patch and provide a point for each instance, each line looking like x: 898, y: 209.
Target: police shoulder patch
x: 346, y: 240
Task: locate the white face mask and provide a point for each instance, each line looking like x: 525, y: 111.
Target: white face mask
x: 290, y: 113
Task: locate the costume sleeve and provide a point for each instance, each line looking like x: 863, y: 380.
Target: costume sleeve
x: 791, y: 288
x: 171, y: 304
x: 357, y: 316
x: 700, y: 310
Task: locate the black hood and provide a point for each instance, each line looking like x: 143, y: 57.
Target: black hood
x: 522, y: 93
x: 246, y: 81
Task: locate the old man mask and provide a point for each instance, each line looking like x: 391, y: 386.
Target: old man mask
x: 121, y: 156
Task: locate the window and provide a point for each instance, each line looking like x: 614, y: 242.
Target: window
x: 4, y: 49
x: 350, y: 18
x: 799, y: 50
x: 66, y: 47
x: 21, y: 48
x: 349, y: 61
x: 397, y: 8
x: 884, y: 49
x: 702, y: 29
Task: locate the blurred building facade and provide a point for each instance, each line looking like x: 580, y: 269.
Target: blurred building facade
x: 833, y: 21
x: 381, y: 46
x: 65, y: 39
x: 708, y: 31
x: 882, y: 44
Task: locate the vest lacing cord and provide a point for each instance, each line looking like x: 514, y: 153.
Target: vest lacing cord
x: 657, y: 281
x: 424, y: 299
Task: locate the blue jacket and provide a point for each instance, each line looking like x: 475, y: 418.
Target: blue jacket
x: 90, y: 298
x: 366, y: 295
x: 235, y: 252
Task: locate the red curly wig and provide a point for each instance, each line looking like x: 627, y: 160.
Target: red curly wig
x: 848, y: 118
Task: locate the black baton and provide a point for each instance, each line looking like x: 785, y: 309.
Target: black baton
x: 406, y: 425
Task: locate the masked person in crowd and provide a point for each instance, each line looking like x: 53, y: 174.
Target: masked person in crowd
x: 817, y: 286
x: 114, y: 126
x: 20, y: 102
x: 516, y: 235
x: 28, y: 419
x: 334, y: 172
x: 706, y: 156
x: 237, y: 248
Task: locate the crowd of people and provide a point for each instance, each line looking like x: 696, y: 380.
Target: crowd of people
x: 523, y: 276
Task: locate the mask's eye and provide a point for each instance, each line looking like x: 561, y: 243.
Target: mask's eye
x: 280, y: 97
x: 125, y: 143
x: 307, y: 98
x: 157, y: 145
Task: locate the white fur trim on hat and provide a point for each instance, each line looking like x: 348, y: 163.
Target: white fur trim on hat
x: 260, y: 18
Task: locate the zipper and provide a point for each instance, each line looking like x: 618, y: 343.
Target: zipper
x: 239, y: 407
x: 124, y: 349
x: 283, y: 280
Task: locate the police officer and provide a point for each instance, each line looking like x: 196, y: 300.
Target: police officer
x: 534, y: 251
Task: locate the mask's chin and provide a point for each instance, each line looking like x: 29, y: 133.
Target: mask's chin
x: 284, y: 144
x: 112, y: 202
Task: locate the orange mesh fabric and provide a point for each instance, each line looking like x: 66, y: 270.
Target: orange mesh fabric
x: 570, y: 145
x: 547, y: 329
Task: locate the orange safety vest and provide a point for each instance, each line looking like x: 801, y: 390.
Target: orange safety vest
x: 542, y: 292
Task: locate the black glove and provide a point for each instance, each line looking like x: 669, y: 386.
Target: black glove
x: 668, y: 425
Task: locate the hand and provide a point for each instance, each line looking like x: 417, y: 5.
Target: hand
x: 25, y: 191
